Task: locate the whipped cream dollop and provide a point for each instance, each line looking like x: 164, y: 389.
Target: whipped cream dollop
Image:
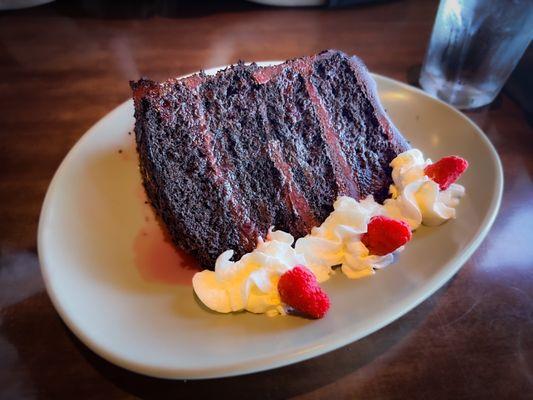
x: 251, y: 282
x: 417, y: 199
x: 337, y: 241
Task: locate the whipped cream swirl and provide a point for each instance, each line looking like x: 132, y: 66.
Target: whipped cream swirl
x: 251, y: 283
x: 417, y: 199
x: 337, y: 241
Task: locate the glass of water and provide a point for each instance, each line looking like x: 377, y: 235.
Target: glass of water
x: 474, y: 47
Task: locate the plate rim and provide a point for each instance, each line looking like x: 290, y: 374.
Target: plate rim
x: 263, y: 363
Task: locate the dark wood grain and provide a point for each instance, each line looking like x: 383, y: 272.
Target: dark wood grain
x: 65, y: 65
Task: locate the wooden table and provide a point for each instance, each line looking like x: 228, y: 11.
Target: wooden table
x: 65, y: 65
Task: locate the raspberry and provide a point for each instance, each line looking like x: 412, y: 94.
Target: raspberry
x: 384, y: 235
x: 446, y: 171
x: 299, y: 289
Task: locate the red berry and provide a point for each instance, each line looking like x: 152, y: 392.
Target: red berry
x: 384, y: 235
x: 299, y: 289
x: 446, y: 171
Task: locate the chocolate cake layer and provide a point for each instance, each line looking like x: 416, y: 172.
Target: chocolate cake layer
x: 225, y: 157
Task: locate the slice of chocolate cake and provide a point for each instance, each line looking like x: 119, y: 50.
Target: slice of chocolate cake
x: 225, y: 157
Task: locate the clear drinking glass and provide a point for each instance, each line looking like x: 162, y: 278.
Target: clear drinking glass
x: 474, y: 47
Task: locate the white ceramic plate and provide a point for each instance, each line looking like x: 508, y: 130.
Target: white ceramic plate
x: 116, y: 284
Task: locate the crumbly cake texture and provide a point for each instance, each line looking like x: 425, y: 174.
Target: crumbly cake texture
x: 225, y: 157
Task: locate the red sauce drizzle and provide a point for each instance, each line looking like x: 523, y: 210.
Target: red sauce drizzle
x: 156, y: 257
